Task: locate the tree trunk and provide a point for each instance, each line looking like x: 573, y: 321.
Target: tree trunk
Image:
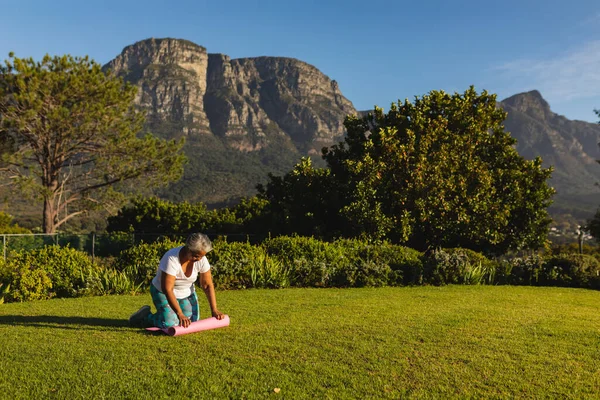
x: 50, y: 209
x: 48, y: 220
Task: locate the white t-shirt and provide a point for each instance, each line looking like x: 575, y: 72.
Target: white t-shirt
x: 169, y: 263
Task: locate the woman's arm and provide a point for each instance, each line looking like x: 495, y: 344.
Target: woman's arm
x: 167, y: 285
x: 206, y: 283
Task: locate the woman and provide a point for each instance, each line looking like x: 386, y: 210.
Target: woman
x: 172, y: 288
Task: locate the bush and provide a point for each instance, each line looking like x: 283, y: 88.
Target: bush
x: 578, y: 270
x: 231, y: 263
x: 405, y: 263
x: 345, y: 262
x: 526, y: 270
x: 308, y: 261
x: 140, y: 262
x: 44, y: 273
x: 269, y: 272
x: 457, y: 266
x: 361, y: 273
x: 104, y: 281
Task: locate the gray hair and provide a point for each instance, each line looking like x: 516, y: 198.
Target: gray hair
x: 198, y: 242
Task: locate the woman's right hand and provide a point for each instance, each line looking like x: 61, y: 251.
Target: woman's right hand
x: 184, y: 321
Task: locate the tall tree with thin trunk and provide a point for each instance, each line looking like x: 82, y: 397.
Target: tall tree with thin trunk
x: 70, y: 134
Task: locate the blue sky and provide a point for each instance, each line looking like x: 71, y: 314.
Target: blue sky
x: 378, y: 51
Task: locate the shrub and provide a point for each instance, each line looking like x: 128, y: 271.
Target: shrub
x: 44, y: 273
x: 31, y: 284
x: 579, y: 270
x: 231, y: 263
x: 141, y: 262
x: 361, y: 273
x: 305, y: 272
x: 528, y: 270
x: 405, y: 263
x: 112, y: 243
x: 290, y: 248
x: 268, y: 272
x: 104, y: 281
x: 458, y: 265
x: 308, y: 261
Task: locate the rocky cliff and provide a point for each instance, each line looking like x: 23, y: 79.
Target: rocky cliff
x: 571, y: 147
x: 247, y: 102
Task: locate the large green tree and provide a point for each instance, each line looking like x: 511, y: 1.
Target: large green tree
x: 439, y: 171
x: 70, y: 134
x: 304, y: 201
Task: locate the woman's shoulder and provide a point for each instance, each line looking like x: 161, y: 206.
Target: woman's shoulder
x: 202, y: 265
x: 172, y: 253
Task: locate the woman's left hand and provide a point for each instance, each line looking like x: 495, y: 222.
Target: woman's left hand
x: 218, y: 314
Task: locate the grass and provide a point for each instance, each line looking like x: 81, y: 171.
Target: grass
x: 422, y: 342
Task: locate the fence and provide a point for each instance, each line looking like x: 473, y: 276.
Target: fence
x: 101, y: 245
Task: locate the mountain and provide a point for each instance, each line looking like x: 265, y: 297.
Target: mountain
x: 571, y: 147
x: 247, y: 117
x: 242, y: 118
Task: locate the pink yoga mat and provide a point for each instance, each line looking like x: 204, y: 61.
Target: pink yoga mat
x: 202, y: 325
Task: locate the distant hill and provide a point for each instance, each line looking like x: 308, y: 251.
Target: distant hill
x: 242, y: 118
x: 571, y: 147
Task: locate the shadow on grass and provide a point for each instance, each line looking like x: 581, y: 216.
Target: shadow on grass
x: 54, y: 321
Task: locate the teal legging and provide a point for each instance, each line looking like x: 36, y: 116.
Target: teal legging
x: 165, y: 316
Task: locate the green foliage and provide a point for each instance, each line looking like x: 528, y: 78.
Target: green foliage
x: 439, y: 172
x: 310, y: 261
x: 457, y: 266
x: 405, y: 263
x: 111, y: 244
x: 4, y: 289
x: 232, y: 264
x: 593, y: 226
x: 345, y: 263
x: 247, y: 216
x: 105, y: 281
x: 360, y: 273
x: 153, y: 216
x: 140, y: 262
x: 50, y: 271
x: 578, y: 270
x: 525, y: 270
x: 301, y: 202
x: 8, y: 226
x: 575, y: 270
x: 69, y: 135
x: 268, y: 272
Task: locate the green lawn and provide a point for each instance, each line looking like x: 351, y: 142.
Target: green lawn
x: 423, y: 342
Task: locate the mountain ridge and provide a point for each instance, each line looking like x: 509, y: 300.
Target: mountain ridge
x: 266, y: 110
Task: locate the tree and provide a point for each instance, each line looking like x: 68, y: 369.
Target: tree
x: 304, y: 201
x: 155, y: 216
x: 7, y: 225
x: 438, y: 172
x: 69, y: 135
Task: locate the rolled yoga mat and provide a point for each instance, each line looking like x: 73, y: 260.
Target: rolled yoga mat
x: 202, y: 325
